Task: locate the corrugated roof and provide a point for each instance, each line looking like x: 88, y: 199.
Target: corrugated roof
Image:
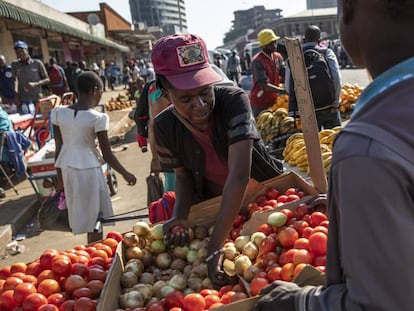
x: 19, y: 14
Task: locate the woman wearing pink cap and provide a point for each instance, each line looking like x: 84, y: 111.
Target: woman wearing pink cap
x: 208, y: 136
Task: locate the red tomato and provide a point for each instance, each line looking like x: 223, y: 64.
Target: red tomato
x: 33, y: 268
x: 96, y: 274
x: 81, y: 292
x: 272, y: 193
x: 67, y: 305
x: 301, y: 243
x: 320, y: 229
x: 177, y: 229
x: 79, y: 269
x: 46, y: 274
x: 298, y: 269
x: 174, y: 299
x: 226, y: 298
x: 288, y: 271
x: 287, y: 237
x: 61, y: 265
x: 73, y: 282
x: 319, y: 261
x: 23, y: 290
x: 48, y: 307
x: 253, y: 207
x: 290, y: 191
x: 318, y: 243
x: 240, y: 220
x: 261, y: 199
x: 216, y: 305
x: 112, y: 243
x: 273, y: 203
x: 299, y: 225
x: 257, y: 284
x: 207, y: 291
x: 325, y: 224
x: 224, y: 290
x: 287, y: 256
x: 235, y: 233
x: 106, y: 248
x: 302, y: 256
x: 7, y: 301
x: 238, y: 296
x: 11, y: 283
x: 114, y: 235
x: 48, y: 287
x: 282, y: 198
x: 33, y: 302
x: 274, y: 274
x: 268, y: 244
x: 265, y: 228
x: 194, y: 302
x: 46, y: 258
x: 269, y: 259
x: 210, y: 300
x: 289, y: 214
x: 155, y: 306
x: 301, y: 210
x: 96, y: 287
x: 316, y: 218
x: 172, y: 309
x: 18, y: 267
x: 292, y: 197
x: 56, y: 299
x: 306, y: 233
x: 84, y: 304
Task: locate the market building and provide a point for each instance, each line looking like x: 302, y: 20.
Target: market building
x: 51, y: 33
x: 320, y: 4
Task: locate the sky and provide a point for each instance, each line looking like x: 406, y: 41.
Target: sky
x: 210, y: 19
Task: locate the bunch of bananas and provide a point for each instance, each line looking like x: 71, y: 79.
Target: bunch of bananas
x: 281, y: 102
x: 295, y: 150
x: 271, y: 124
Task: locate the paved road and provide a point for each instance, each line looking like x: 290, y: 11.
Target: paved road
x: 128, y: 198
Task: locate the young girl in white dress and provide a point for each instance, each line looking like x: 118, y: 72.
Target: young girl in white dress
x: 77, y: 161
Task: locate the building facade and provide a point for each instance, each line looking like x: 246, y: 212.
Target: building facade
x: 167, y: 15
x: 320, y: 4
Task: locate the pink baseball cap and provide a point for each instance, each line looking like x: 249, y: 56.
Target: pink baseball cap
x: 183, y: 60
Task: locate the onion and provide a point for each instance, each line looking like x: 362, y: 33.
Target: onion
x: 194, y: 284
x: 131, y: 300
x: 163, y: 260
x: 141, y: 228
x: 200, y: 232
x: 230, y: 251
x: 181, y: 252
x: 147, y: 278
x: 250, y: 272
x: 178, y: 264
x: 257, y: 237
x: 251, y: 250
x: 129, y: 279
x: 206, y: 283
x: 191, y: 256
x: 166, y: 290
x: 241, y: 241
x: 130, y: 239
x: 229, y: 267
x: 200, y: 270
x: 157, y: 232
x: 147, y: 257
x: 241, y: 263
x: 157, y: 247
x: 190, y: 234
x: 187, y: 270
x: 145, y: 290
x: 156, y: 288
x: 202, y: 253
x: 179, y: 282
x: 133, y: 252
x: 195, y: 244
x: 136, y: 267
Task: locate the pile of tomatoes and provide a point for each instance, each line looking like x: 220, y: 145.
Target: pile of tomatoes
x: 59, y: 281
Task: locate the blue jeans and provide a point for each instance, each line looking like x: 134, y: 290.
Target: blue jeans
x: 328, y: 119
x: 27, y: 107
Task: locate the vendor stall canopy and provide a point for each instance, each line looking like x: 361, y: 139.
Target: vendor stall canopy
x: 16, y: 13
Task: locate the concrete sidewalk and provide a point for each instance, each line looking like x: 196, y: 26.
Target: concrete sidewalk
x: 17, y: 210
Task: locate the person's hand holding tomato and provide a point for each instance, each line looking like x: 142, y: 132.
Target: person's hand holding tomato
x: 175, y: 232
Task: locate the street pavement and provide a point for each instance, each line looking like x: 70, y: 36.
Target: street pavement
x: 128, y: 199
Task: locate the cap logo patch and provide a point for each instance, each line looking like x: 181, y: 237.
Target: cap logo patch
x: 189, y: 55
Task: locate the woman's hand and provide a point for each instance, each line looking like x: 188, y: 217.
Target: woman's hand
x: 130, y: 178
x: 218, y: 277
x: 175, y: 232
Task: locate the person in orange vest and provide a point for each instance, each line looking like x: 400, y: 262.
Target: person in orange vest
x: 266, y: 67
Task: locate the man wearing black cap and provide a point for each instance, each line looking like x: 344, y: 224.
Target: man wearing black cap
x: 31, y: 75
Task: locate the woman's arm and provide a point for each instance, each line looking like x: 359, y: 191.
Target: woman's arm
x: 58, y: 146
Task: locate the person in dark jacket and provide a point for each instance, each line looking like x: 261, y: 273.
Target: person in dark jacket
x: 208, y: 136
x: 370, y: 199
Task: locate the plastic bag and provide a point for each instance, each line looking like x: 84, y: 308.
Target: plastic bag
x: 162, y: 209
x: 155, y: 188
x: 50, y: 215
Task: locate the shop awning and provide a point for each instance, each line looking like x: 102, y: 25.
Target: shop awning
x: 19, y: 14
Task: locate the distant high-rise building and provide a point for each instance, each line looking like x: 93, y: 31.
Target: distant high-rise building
x: 169, y: 15
x: 320, y: 4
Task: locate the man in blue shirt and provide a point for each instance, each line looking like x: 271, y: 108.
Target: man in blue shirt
x: 7, y: 92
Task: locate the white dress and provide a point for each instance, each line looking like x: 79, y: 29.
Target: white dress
x: 86, y: 190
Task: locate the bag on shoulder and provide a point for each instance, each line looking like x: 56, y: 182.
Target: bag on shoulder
x: 53, y: 214
x: 162, y: 209
x: 320, y: 78
x: 55, y: 75
x: 155, y: 188
x: 141, y: 114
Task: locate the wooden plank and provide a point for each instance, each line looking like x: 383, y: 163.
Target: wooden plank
x: 307, y: 114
